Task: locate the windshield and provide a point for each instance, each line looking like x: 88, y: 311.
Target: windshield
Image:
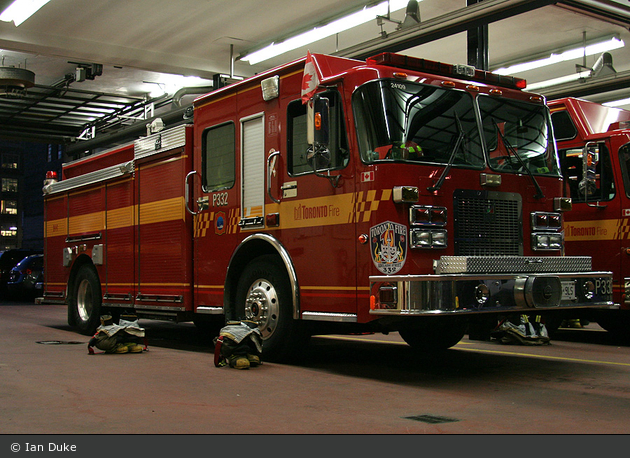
x: 410, y: 122
x: 512, y: 128
x: 402, y: 121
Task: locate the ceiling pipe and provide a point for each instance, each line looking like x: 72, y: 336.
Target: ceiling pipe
x: 199, y: 90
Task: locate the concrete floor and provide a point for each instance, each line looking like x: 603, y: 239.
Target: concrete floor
x: 348, y: 385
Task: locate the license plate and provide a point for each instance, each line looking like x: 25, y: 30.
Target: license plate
x: 568, y: 290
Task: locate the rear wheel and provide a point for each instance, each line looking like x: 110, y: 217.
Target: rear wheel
x: 434, y: 334
x: 264, y: 296
x: 84, y: 308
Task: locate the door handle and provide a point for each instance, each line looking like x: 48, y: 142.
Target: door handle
x: 269, y: 170
x: 186, y: 192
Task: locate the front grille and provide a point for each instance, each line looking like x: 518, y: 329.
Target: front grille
x: 487, y: 223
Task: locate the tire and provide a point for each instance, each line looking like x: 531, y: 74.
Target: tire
x: 84, y: 309
x: 434, y: 334
x: 616, y: 322
x: 264, y: 296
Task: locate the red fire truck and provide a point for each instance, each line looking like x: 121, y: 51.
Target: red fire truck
x: 327, y: 195
x: 594, y: 148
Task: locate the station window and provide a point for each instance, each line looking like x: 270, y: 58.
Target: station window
x: 8, y: 207
x: 218, y: 161
x: 8, y: 231
x: 10, y: 161
x: 298, y: 147
x: 9, y: 185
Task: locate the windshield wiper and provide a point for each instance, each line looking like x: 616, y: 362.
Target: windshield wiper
x: 511, y: 150
x: 451, y: 159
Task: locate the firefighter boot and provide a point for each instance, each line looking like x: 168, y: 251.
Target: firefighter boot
x: 133, y: 347
x: 121, y: 348
x: 254, y: 360
x: 239, y: 362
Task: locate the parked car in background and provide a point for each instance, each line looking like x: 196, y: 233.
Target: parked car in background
x: 8, y: 260
x: 25, y: 279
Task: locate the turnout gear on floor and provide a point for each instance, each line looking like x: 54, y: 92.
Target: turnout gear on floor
x: 124, y: 337
x: 520, y: 330
x: 238, y: 345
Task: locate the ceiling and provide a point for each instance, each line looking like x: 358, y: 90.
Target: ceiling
x: 144, y: 44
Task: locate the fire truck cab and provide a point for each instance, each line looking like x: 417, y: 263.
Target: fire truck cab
x: 593, y: 141
x: 327, y: 195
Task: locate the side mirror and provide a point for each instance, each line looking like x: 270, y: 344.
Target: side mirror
x: 590, y: 158
x: 318, y: 120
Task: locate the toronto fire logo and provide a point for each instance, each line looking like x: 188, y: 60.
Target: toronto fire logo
x: 388, y: 242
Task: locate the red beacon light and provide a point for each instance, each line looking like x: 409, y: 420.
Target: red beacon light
x: 51, y: 178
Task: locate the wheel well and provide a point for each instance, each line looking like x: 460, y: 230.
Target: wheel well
x: 251, y: 248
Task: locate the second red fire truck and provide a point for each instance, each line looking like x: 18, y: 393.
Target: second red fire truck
x: 594, y: 146
x: 327, y: 195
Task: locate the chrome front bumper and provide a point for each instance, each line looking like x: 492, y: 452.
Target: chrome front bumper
x: 469, y: 284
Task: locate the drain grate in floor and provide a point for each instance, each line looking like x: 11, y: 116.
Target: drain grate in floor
x: 58, y: 342
x: 432, y: 419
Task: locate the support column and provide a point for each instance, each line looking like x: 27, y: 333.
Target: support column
x: 478, y: 44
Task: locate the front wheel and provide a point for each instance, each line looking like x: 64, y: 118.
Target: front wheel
x: 84, y: 307
x: 264, y: 296
x: 434, y: 334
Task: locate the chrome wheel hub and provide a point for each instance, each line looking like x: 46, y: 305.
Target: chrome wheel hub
x: 84, y: 300
x: 262, y: 306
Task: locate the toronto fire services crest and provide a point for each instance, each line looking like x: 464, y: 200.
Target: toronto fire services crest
x: 388, y: 243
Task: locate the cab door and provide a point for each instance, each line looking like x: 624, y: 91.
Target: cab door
x: 214, y: 200
x: 623, y: 277
x: 592, y: 228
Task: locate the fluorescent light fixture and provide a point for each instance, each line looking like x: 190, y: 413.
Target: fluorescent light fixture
x: 318, y: 33
x: 20, y: 10
x: 171, y: 83
x: 617, y: 103
x: 572, y: 54
x: 560, y: 80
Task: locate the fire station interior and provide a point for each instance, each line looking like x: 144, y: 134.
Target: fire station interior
x: 80, y: 77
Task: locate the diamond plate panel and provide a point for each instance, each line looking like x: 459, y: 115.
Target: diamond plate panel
x: 511, y: 264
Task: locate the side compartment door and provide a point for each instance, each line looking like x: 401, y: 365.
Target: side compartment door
x: 253, y: 172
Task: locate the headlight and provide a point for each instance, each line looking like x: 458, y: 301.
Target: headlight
x: 427, y: 223
x: 547, y: 241
x: 427, y: 215
x: 428, y: 238
x: 546, y: 221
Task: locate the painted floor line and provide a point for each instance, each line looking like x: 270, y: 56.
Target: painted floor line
x: 461, y: 346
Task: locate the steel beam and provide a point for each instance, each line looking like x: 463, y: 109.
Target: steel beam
x: 448, y: 24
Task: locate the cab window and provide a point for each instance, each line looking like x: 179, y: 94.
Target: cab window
x: 624, y: 160
x: 218, y: 151
x: 297, y: 144
x: 600, y: 186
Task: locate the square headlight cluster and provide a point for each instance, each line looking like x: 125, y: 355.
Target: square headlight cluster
x: 427, y: 226
x: 547, y: 232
